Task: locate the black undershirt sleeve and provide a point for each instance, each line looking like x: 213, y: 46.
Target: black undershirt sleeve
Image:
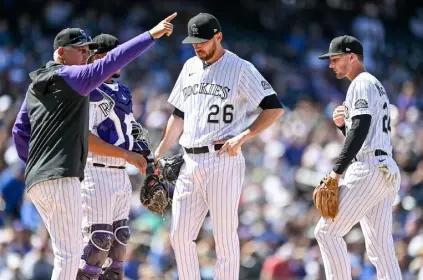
x: 270, y: 102
x: 178, y: 113
x: 354, y: 141
x: 342, y: 129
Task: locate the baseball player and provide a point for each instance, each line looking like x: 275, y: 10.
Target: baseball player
x: 106, y: 189
x: 372, y: 179
x: 51, y: 134
x: 210, y: 99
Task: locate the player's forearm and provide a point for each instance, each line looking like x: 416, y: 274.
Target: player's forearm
x: 174, y: 129
x: 353, y: 143
x: 263, y: 121
x: 99, y: 147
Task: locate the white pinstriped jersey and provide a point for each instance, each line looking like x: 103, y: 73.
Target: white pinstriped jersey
x: 215, y: 98
x: 366, y: 95
x: 110, y: 119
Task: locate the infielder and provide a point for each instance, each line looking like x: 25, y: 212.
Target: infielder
x: 106, y: 189
x: 210, y: 99
x: 372, y: 180
x: 51, y: 134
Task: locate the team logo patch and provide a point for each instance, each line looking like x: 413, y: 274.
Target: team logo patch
x: 347, y: 113
x: 361, y: 104
x: 265, y: 85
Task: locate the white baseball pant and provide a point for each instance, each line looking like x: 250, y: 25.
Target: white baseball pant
x: 207, y: 183
x: 59, y: 204
x: 365, y: 196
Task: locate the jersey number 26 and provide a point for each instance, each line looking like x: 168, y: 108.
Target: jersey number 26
x: 227, y: 115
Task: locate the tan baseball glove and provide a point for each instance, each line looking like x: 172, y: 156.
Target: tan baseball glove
x: 326, y: 198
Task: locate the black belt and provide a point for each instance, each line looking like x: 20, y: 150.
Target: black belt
x: 202, y: 150
x: 377, y: 153
x: 380, y: 153
x: 108, y: 166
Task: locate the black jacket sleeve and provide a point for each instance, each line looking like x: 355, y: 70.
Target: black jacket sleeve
x: 355, y: 139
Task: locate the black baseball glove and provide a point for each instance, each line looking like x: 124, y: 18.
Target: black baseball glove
x: 154, y: 194
x: 169, y: 167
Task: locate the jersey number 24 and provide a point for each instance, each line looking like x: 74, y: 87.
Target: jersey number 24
x: 386, y: 125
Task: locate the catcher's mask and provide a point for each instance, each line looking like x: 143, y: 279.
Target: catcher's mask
x: 142, y: 145
x: 141, y: 140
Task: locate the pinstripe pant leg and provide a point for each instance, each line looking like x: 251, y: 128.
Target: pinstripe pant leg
x: 188, y: 212
x: 98, y: 191
x: 360, y: 192
x: 123, y: 198
x: 59, y: 204
x: 223, y: 192
x: 377, y: 230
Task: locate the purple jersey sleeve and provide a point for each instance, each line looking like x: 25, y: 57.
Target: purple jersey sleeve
x: 21, y: 132
x: 85, y: 78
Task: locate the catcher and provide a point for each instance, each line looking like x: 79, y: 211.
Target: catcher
x: 115, y: 139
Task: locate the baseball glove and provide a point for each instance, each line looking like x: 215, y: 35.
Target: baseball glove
x: 326, y: 197
x: 154, y: 194
x: 169, y: 167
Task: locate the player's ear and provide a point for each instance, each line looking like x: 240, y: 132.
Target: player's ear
x: 219, y: 36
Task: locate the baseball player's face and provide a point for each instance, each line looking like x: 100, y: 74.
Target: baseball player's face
x: 205, y: 51
x: 341, y: 65
x: 76, y: 55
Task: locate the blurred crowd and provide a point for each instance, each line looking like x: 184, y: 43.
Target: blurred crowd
x: 282, y: 39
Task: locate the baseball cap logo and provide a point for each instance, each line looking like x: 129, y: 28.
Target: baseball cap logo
x: 194, y: 29
x: 330, y: 46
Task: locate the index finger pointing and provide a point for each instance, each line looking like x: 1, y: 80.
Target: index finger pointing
x: 172, y: 16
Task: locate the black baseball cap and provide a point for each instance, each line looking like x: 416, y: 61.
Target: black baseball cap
x: 74, y: 37
x: 202, y: 28
x: 343, y: 45
x: 106, y: 43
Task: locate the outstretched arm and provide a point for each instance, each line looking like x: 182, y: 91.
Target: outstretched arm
x: 85, y: 78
